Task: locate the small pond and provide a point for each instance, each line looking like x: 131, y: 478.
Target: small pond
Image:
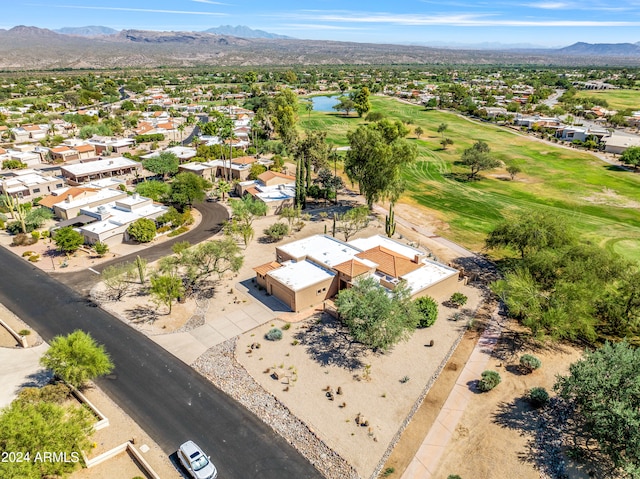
x: 324, y: 103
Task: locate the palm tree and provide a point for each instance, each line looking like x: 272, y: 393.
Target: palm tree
x: 181, y: 127
x: 224, y: 187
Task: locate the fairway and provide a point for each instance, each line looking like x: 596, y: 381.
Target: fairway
x: 600, y: 200
x: 617, y: 99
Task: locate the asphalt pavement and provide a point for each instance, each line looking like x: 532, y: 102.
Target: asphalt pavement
x: 213, y: 216
x: 167, y: 398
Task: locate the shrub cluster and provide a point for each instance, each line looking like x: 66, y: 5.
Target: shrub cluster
x: 529, y: 363
x: 490, y: 379
x: 274, y: 334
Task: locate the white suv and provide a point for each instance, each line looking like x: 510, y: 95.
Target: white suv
x: 196, y: 462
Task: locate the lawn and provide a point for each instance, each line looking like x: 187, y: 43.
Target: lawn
x: 600, y: 200
x: 617, y: 99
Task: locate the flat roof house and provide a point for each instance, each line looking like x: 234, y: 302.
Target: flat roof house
x: 114, y: 218
x: 309, y: 271
x: 25, y: 185
x: 93, y: 170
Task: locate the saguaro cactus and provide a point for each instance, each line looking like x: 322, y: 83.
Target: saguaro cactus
x: 390, y: 222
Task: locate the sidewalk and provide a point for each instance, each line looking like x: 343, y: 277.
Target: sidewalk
x: 426, y: 460
x: 20, y: 368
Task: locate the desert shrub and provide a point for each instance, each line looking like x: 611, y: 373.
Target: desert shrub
x: 14, y: 227
x: 538, y: 397
x: 35, y: 235
x: 277, y: 231
x: 490, y: 379
x: 51, y: 393
x: 33, y: 258
x: 24, y: 332
x: 453, y: 476
x: 428, y: 309
x: 529, y: 363
x: 458, y: 299
x: 22, y: 239
x: 286, y: 327
x: 179, y: 231
x: 45, y: 234
x: 163, y: 229
x: 101, y: 248
x: 274, y: 334
x: 27, y: 253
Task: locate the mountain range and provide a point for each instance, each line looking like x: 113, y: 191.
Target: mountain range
x: 241, y: 31
x: 32, y: 48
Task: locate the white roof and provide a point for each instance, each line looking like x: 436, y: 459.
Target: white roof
x: 622, y: 141
x: 428, y: 274
x: 276, y: 192
x: 100, y: 196
x: 119, y: 217
x: 324, y: 249
x: 379, y: 240
x: 105, y: 183
x: 98, y: 166
x: 300, y: 275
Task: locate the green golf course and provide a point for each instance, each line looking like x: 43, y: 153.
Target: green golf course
x: 600, y: 200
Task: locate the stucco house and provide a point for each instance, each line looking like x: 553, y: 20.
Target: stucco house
x: 309, y: 271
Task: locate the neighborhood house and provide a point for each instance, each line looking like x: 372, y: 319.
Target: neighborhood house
x: 311, y: 270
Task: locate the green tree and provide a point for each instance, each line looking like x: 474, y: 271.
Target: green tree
x: 77, y: 358
x: 156, y: 190
x: 142, y: 230
x: 446, y: 142
x: 13, y: 165
x: 374, y: 317
x: 248, y: 209
x: 100, y: 248
x: 428, y: 310
x: 285, y: 115
x: 353, y: 220
x: 513, y: 170
x: 345, y: 104
x: 442, y: 127
x: 631, y: 156
x: 39, y: 427
x: 361, y: 101
x: 166, y: 163
x: 377, y: 157
x: 187, y: 188
x: 603, y: 387
x: 117, y: 279
x: 256, y: 170
x: 418, y: 131
x: 478, y: 159
x: 290, y: 214
x: 36, y: 218
x: 166, y: 288
x: 223, y: 187
x: 68, y: 240
x: 531, y: 231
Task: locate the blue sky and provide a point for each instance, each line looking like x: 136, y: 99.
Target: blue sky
x: 543, y: 22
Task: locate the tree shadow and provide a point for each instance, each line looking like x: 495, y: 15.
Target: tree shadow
x: 142, y: 314
x: 517, y: 415
x: 459, y: 177
x: 328, y: 342
x: 37, y: 380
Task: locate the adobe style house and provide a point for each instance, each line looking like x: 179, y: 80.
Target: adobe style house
x: 275, y: 189
x: 309, y: 271
x: 93, y: 170
x: 25, y: 185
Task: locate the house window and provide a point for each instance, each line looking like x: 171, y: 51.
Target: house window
x: 36, y: 190
x: 59, y: 185
x: 324, y: 289
x: 319, y: 291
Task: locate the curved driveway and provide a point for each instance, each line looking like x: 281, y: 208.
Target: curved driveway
x: 167, y: 398
x: 213, y: 215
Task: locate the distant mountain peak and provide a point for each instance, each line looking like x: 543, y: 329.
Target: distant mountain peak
x: 243, y: 31
x: 88, y: 31
x: 602, y: 49
x: 23, y: 30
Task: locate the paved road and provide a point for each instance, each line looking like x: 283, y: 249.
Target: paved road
x: 213, y: 215
x: 164, y: 396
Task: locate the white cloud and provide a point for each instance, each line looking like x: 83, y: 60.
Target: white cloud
x: 456, y: 20
x: 209, y: 2
x: 310, y: 26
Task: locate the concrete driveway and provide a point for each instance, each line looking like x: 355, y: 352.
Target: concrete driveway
x: 21, y: 368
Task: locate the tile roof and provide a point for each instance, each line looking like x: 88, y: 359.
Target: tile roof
x: 84, y: 148
x: 352, y: 268
x: 265, y: 268
x: 75, y: 192
x: 389, y: 262
x: 269, y: 175
x: 244, y: 160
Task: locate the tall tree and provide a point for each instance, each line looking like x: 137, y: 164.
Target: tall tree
x: 285, y: 115
x: 166, y: 288
x: 187, y: 188
x: 478, y: 159
x: 603, y: 388
x: 361, y: 101
x: 353, y: 220
x: 377, y: 157
x: 166, y: 163
x: 68, y: 240
x: 374, y: 316
x: 77, y: 358
x: 631, y: 156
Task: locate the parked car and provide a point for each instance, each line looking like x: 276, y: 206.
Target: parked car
x: 196, y: 462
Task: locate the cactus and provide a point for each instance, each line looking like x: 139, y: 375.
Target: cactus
x: 333, y: 228
x: 141, y: 265
x: 390, y: 222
